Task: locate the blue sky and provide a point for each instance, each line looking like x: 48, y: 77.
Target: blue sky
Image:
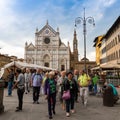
x: 20, y: 18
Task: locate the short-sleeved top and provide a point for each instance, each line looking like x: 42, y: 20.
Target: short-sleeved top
x: 27, y: 77
x: 83, y: 80
x: 37, y: 80
x: 95, y: 79
x: 20, y: 80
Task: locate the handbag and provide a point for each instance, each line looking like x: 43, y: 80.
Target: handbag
x: 66, y: 95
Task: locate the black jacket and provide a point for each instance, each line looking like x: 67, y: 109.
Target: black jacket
x: 70, y: 85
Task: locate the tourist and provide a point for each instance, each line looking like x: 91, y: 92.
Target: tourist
x: 76, y: 75
x: 36, y: 83
x: 70, y: 85
x: 10, y: 82
x: 20, y: 83
x: 83, y: 81
x: 60, y: 88
x: 27, y: 75
x: 95, y: 80
x: 50, y: 94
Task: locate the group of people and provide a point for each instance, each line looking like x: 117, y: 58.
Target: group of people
x: 51, y: 84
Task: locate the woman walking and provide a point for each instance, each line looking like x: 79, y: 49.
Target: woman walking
x: 71, y: 85
x: 50, y: 93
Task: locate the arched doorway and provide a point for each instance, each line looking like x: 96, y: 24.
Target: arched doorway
x: 62, y: 64
x: 46, y: 60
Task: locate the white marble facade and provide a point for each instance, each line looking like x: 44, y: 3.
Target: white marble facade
x: 48, y: 50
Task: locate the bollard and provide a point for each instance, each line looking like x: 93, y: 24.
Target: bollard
x: 108, y: 97
x: 1, y: 96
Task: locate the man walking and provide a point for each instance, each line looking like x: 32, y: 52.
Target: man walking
x: 10, y: 82
x: 27, y: 80
x: 83, y: 81
x: 36, y: 83
x: 20, y: 89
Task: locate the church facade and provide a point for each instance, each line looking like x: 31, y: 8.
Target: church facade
x: 48, y: 49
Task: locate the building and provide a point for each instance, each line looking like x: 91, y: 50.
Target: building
x: 48, y: 49
x: 108, y: 46
x: 74, y: 62
x: 97, y: 45
x: 74, y: 54
x: 4, y: 59
x: 112, y: 44
x: 89, y: 64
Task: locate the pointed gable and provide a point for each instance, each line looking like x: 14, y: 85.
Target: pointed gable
x: 47, y: 30
x: 31, y: 46
x: 63, y: 45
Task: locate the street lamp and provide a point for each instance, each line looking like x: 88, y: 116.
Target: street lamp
x: 84, y: 20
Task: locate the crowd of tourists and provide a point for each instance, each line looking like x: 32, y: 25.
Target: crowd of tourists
x: 68, y: 86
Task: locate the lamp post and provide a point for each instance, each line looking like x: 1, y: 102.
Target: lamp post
x: 84, y: 20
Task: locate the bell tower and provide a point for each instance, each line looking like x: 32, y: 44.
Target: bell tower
x: 75, y: 47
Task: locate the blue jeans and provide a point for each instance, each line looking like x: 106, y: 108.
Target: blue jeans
x: 95, y: 88
x: 70, y: 103
x: 10, y: 85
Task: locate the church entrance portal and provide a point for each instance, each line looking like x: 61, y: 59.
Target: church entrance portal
x: 46, y: 60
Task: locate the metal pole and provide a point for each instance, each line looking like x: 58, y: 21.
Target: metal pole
x: 79, y: 20
x: 84, y: 32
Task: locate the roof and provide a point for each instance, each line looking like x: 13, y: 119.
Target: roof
x: 112, y: 27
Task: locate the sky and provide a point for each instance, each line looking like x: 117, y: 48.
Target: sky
x: 20, y: 18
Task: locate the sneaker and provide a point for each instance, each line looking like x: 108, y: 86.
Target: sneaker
x: 50, y: 117
x: 17, y: 107
x: 67, y: 114
x: 9, y: 96
x: 33, y: 102
x: 37, y: 102
x: 77, y: 101
x: 72, y: 111
x: 54, y: 112
x: 18, y: 110
x: 85, y: 104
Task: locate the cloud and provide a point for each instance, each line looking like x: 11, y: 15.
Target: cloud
x: 18, y: 26
x: 10, y: 49
x: 107, y: 3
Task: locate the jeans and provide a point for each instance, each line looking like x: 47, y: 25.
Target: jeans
x: 95, y: 88
x: 36, y: 91
x: 70, y: 103
x: 10, y: 85
x: 27, y: 87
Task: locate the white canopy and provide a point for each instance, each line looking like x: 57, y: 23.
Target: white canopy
x: 110, y: 65
x: 107, y: 66
x: 22, y: 65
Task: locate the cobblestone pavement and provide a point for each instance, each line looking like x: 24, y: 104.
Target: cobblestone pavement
x: 94, y: 111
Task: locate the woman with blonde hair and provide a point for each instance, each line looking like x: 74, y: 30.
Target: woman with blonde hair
x: 60, y: 88
x: 50, y: 93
